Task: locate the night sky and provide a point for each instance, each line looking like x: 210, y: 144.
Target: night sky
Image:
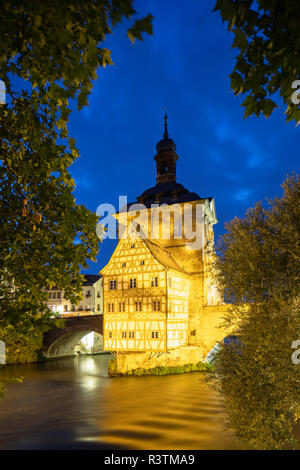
x: 183, y: 67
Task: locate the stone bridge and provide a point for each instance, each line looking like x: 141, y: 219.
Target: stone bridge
x: 61, y: 342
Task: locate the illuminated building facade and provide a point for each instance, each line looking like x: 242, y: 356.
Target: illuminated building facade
x: 91, y: 303
x: 157, y: 283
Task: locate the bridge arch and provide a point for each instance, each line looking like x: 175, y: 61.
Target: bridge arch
x: 61, y: 342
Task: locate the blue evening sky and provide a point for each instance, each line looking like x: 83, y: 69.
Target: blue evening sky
x: 183, y: 67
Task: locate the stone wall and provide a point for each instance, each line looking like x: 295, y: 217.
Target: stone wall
x: 174, y: 357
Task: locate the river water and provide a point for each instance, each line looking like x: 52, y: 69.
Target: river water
x: 72, y: 404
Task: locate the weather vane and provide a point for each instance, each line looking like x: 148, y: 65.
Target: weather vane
x: 166, y: 124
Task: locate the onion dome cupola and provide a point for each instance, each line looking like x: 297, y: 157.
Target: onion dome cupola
x: 166, y: 158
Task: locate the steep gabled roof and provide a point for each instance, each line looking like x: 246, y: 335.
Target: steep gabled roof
x: 160, y: 253
x: 163, y: 256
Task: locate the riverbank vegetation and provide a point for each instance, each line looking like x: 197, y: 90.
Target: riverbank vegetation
x: 258, y: 267
x: 159, y: 370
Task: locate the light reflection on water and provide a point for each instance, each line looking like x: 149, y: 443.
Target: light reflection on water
x: 71, y: 403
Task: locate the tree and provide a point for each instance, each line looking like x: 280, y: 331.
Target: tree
x: 267, y: 35
x: 258, y: 266
x: 49, y: 56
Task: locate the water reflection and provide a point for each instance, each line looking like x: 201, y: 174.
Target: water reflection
x: 71, y: 403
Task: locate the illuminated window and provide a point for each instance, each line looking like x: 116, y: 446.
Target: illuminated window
x: 138, y: 306
x: 154, y: 281
x: 112, y: 285
x: 131, y: 334
x: 154, y: 334
x: 132, y: 283
x: 124, y: 334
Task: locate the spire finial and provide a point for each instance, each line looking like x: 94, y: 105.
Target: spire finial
x: 166, y: 135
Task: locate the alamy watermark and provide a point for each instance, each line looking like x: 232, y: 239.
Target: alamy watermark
x: 2, y: 352
x: 159, y: 221
x: 294, y: 98
x: 296, y: 354
x: 2, y: 92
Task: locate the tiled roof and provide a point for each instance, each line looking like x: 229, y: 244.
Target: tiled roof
x: 167, y: 193
x: 90, y: 279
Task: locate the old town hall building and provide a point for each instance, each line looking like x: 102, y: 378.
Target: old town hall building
x: 158, y: 290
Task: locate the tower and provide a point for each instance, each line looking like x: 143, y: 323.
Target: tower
x: 166, y: 158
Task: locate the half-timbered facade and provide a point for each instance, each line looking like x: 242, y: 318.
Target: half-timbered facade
x: 145, y: 298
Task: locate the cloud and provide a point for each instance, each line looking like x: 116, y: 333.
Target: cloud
x: 242, y: 195
x: 226, y: 131
x: 84, y: 182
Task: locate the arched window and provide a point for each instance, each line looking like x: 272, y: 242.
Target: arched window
x: 164, y: 168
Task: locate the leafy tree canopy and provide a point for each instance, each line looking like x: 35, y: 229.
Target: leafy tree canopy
x: 50, y: 53
x: 258, y: 266
x: 267, y: 34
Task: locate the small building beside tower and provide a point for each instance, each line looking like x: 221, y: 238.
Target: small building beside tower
x: 90, y: 304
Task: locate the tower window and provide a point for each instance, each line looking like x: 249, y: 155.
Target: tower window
x: 164, y: 168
